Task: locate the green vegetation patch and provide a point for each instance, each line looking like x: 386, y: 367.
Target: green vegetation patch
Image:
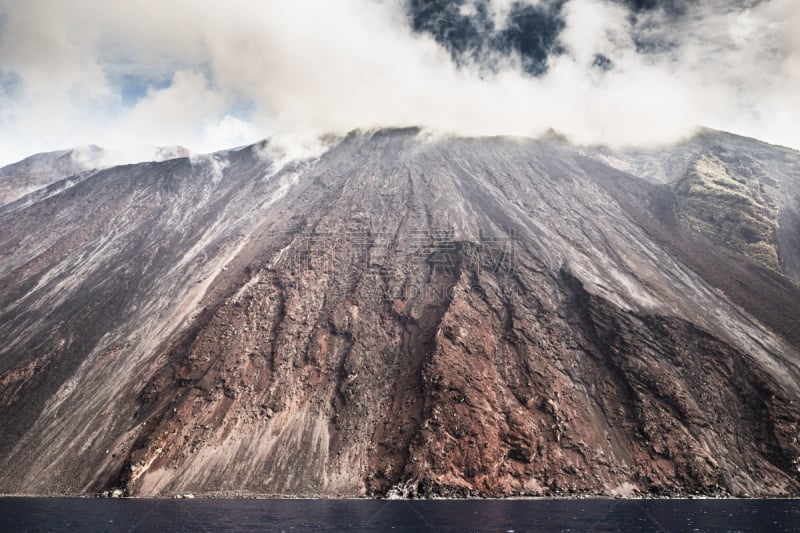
x: 730, y: 208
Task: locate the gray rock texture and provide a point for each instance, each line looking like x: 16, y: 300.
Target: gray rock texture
x: 405, y: 315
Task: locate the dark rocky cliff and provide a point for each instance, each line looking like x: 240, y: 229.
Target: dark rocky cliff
x: 404, y: 316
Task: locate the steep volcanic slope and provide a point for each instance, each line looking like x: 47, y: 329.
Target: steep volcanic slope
x: 459, y: 316
x: 752, y: 177
x: 93, y: 279
x: 41, y: 170
x: 47, y: 173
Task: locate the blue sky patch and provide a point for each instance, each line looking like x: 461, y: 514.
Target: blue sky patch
x: 133, y: 88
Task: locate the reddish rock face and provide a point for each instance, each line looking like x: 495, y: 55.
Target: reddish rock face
x: 398, y: 317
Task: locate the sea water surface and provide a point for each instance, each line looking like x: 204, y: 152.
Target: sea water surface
x: 150, y: 515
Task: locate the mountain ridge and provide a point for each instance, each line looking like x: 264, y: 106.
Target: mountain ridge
x: 536, y: 320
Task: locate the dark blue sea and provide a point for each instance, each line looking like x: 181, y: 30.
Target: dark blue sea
x: 506, y: 516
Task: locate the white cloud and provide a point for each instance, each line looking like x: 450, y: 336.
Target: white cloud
x: 170, y: 113
x: 316, y: 66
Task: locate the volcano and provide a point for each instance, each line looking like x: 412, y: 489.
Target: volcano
x: 405, y: 314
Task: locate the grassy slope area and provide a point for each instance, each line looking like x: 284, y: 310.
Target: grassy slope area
x: 730, y: 208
